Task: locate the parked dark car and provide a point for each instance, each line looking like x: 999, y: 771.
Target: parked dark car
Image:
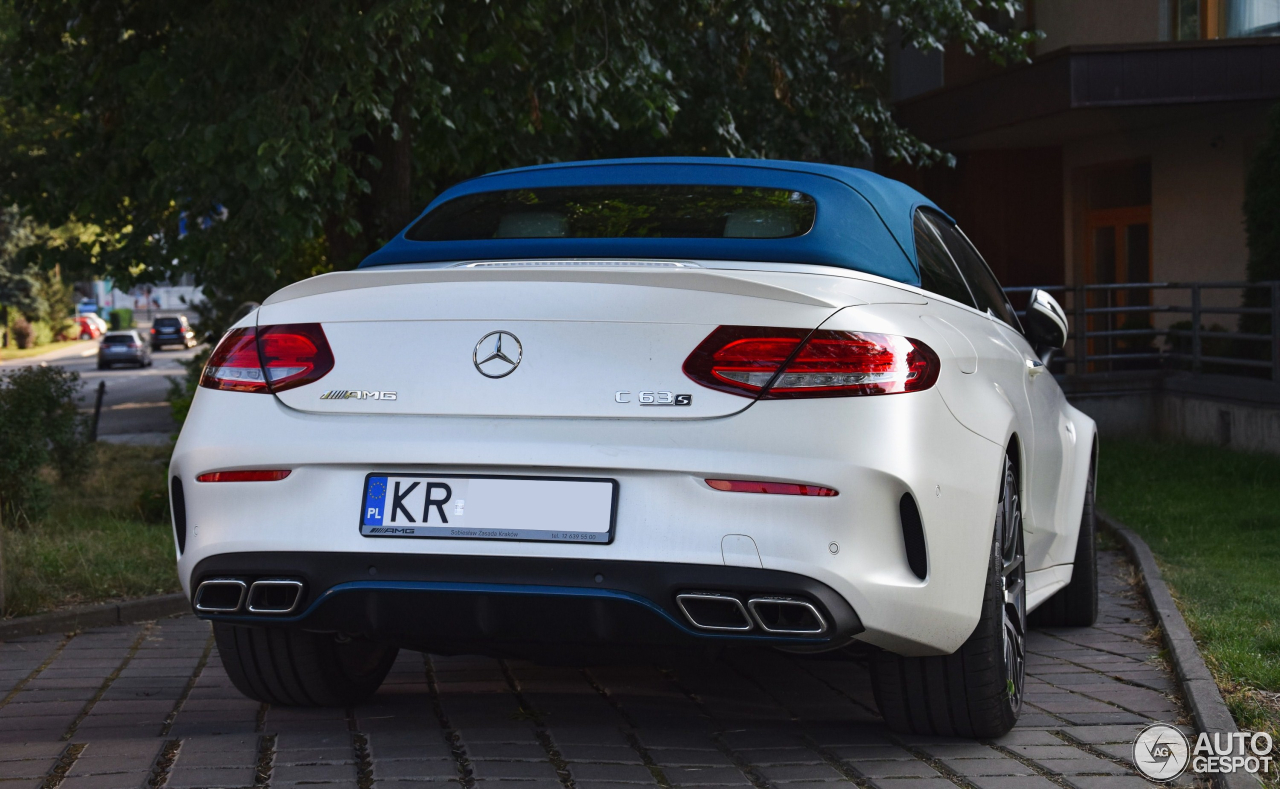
x: 172, y: 331
x: 123, y: 347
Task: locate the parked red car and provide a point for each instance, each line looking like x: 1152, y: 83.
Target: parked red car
x: 88, y: 329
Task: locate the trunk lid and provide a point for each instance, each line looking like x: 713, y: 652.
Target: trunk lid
x: 575, y: 342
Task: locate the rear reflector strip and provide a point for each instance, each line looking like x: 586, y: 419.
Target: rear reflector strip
x: 780, y: 488
x: 243, y: 476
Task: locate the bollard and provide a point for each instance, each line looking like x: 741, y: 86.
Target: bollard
x: 97, y: 410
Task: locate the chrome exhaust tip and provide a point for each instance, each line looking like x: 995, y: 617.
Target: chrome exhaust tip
x: 787, y: 616
x: 274, y: 596
x: 220, y: 596
x: 716, y: 612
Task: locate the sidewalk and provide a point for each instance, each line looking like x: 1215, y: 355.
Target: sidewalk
x: 150, y: 704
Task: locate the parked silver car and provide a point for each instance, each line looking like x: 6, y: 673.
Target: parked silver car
x: 123, y: 347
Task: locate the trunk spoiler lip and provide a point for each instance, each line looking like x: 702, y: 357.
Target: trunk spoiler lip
x: 680, y: 275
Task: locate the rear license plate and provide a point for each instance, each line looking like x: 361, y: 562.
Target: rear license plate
x: 458, y: 507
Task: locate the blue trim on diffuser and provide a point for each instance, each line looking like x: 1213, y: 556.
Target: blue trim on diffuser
x: 530, y: 590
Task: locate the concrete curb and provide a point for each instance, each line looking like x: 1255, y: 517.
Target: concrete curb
x: 102, y: 615
x: 1207, y: 707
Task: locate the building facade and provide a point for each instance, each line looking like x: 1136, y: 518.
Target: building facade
x: 1119, y: 154
x: 1118, y: 157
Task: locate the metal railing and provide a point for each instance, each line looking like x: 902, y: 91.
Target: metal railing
x: 1113, y: 328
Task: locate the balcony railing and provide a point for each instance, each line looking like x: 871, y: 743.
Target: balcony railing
x: 1161, y: 326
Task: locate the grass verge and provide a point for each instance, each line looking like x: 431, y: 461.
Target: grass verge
x: 1212, y: 518
x: 7, y: 354
x: 105, y: 538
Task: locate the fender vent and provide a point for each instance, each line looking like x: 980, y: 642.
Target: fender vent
x: 913, y: 536
x: 178, y: 504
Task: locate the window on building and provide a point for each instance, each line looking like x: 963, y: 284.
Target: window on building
x: 938, y: 272
x: 1205, y: 19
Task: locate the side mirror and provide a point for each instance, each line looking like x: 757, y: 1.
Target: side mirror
x: 1046, y: 322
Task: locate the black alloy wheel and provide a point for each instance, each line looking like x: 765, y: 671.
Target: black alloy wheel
x: 977, y: 690
x: 1013, y: 583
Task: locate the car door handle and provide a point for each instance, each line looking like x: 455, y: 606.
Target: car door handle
x: 1034, y: 367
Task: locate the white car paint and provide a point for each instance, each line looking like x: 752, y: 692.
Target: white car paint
x: 589, y: 331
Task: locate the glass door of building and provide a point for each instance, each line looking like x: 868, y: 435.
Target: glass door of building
x: 1118, y: 251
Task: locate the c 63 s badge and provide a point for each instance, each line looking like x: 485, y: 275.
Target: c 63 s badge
x: 356, y: 394
x: 653, y: 398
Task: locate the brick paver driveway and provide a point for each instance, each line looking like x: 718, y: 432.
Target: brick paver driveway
x: 149, y: 705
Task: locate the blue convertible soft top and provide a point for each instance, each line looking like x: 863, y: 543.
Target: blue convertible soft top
x: 863, y: 220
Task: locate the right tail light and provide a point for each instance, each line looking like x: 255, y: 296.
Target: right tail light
x: 269, y: 359
x: 782, y: 364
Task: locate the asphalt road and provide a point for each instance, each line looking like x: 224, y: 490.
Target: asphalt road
x: 136, y: 401
x: 149, y: 705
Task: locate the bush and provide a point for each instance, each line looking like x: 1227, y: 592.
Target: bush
x: 183, y: 390
x: 1261, y: 207
x: 40, y: 427
x: 121, y: 318
x: 23, y: 334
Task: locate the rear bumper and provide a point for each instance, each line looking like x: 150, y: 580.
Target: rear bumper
x: 517, y: 605
x: 136, y: 357
x: 873, y: 451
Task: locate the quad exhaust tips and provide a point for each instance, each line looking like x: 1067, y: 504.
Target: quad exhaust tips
x: 233, y: 595
x: 725, y: 613
x: 220, y: 596
x: 717, y: 612
x: 787, y: 616
x: 274, y: 596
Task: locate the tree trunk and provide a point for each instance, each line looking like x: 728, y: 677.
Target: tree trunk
x: 2, y: 600
x: 387, y: 164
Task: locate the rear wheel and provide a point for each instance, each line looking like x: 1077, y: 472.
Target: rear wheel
x: 299, y: 669
x: 977, y: 691
x: 1076, y: 604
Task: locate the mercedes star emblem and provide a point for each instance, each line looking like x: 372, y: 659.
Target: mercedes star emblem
x: 498, y: 354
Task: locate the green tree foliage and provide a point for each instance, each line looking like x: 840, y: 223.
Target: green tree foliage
x: 295, y: 137
x: 19, y: 283
x: 40, y: 428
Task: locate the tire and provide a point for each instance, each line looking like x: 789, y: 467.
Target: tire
x: 977, y: 691
x: 103, y: 366
x: 1076, y: 604
x: 294, y: 668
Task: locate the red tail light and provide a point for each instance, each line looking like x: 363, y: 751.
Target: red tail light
x: 778, y: 364
x: 781, y: 488
x: 244, y: 476
x: 269, y: 358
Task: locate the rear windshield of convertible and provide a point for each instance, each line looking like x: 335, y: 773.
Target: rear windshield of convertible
x: 620, y: 212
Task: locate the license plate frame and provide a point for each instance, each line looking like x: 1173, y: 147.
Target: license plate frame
x: 482, y: 534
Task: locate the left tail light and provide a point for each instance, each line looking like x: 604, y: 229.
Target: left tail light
x: 779, y: 364
x: 269, y: 359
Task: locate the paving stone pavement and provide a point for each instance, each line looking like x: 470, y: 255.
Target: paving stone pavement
x: 149, y: 705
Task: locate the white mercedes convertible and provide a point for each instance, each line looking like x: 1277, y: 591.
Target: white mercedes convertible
x: 637, y: 406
